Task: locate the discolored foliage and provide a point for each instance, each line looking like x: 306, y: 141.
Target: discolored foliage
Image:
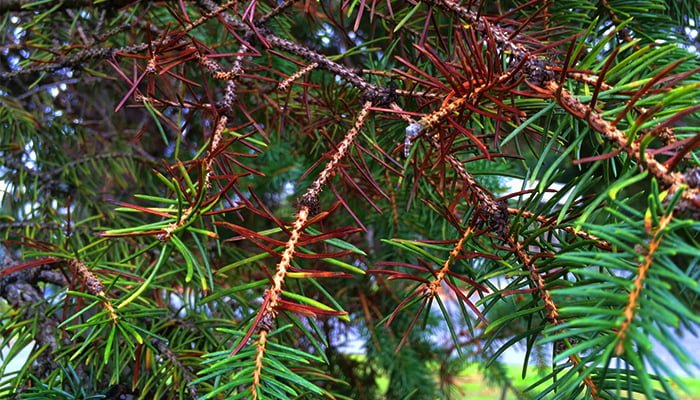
x: 349, y: 200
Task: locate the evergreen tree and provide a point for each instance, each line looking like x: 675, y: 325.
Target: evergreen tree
x: 299, y: 199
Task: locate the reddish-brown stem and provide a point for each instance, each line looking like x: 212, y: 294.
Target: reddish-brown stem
x: 544, y: 221
x: 273, y: 297
x: 284, y: 85
x: 629, y: 312
x: 552, y: 311
x: 434, y: 285
x: 674, y: 180
x: 260, y: 346
x: 94, y: 286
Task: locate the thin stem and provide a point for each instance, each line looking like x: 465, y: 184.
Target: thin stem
x: 549, y: 305
x: 284, y: 85
x: 94, y: 286
x: 275, y: 11
x: 434, y: 285
x: 308, y: 205
x: 629, y: 312
x: 370, y: 91
x: 260, y: 353
x: 570, y: 103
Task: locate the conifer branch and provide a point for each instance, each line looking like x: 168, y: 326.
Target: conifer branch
x: 485, y: 203
x: 370, y: 92
x: 94, y: 286
x: 284, y: 85
x: 213, y: 150
x: 30, y: 5
x: 483, y: 200
x: 674, y: 180
x: 466, y: 74
x: 481, y: 24
x: 76, y: 60
x: 551, y: 308
x: 209, y: 15
x: 544, y: 221
x: 235, y: 73
x: 589, y: 79
x: 435, y: 284
x: 312, y: 193
x: 259, y: 353
x: 168, y: 353
x: 139, y: 98
x: 657, y: 235
x: 279, y: 9
x: 308, y: 206
x: 97, y: 53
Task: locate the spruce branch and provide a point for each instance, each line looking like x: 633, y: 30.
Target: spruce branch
x: 209, y: 15
x: 435, y: 284
x: 591, y: 79
x: 482, y: 199
x: 260, y: 346
x: 466, y: 76
x: 234, y: 75
x: 308, y: 205
x: 544, y: 221
x: 96, y: 53
x: 551, y: 308
x: 285, y: 84
x: 279, y: 9
x: 30, y: 5
x: 493, y: 211
x: 657, y: 235
x: 94, y: 286
x: 214, y: 150
x: 369, y: 91
x: 140, y: 98
x: 168, y: 353
x: 536, y: 277
x: 76, y: 60
x: 674, y: 180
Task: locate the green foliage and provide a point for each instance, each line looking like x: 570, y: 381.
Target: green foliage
x: 222, y: 201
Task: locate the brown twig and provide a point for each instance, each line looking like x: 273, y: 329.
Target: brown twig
x: 370, y: 92
x: 284, y: 85
x: 260, y: 347
x: 307, y: 206
x: 435, y: 284
x: 674, y: 180
x: 656, y: 237
x: 94, y: 286
x: 275, y: 11
x: 544, y: 221
x: 551, y: 308
x: 95, y: 52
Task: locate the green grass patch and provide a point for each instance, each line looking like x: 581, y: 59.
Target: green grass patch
x: 471, y: 384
